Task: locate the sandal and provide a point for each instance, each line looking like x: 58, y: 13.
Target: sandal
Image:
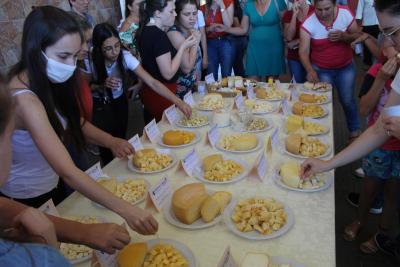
x: 351, y: 231
x: 369, y: 246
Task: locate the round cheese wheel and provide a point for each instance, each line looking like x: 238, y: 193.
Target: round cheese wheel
x: 261, y: 93
x: 307, y: 98
x: 245, y: 142
x: 297, y: 108
x: 173, y: 138
x: 293, y: 143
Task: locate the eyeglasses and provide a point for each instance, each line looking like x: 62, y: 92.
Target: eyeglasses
x: 389, y: 35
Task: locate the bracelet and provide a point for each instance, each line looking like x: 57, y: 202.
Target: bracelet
x: 222, y: 9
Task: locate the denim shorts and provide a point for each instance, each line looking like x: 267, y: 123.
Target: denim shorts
x: 382, y: 164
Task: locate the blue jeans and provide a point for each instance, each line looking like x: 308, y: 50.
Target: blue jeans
x: 220, y: 51
x: 297, y: 70
x: 343, y: 80
x: 27, y: 254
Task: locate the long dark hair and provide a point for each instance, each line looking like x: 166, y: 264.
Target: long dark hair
x: 43, y: 27
x: 180, y: 4
x: 102, y: 32
x: 146, y: 11
x: 127, y: 11
x: 392, y: 7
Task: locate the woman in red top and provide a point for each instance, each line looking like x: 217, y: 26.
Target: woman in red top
x: 292, y: 20
x: 220, y: 50
x: 326, y: 54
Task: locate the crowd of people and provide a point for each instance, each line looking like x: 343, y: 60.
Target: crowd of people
x: 72, y: 85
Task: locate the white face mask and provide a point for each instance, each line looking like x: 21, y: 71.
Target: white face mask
x: 58, y: 72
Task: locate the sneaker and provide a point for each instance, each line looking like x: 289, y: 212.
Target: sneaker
x: 354, y: 200
x: 386, y: 244
x: 359, y: 173
x: 92, y: 149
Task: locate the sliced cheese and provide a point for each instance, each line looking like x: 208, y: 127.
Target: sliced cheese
x: 297, y: 108
x: 210, y: 209
x: 245, y: 142
x: 210, y: 161
x: 109, y: 184
x: 294, y: 123
x: 132, y: 255
x: 187, y: 202
x: 223, y: 198
x: 290, y: 174
x: 293, y: 143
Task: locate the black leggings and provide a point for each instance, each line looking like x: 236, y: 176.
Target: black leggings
x: 111, y: 118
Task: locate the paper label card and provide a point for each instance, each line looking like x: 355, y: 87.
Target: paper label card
x: 49, y: 208
x: 201, y: 88
x: 294, y: 94
x: 227, y: 259
x: 152, y: 131
x: 106, y: 260
x: 172, y: 114
x: 293, y: 81
x: 285, y: 107
x: 250, y: 92
x: 136, y: 143
x: 239, y: 101
x: 261, y: 167
x: 160, y: 193
x: 188, y: 98
x: 209, y: 78
x: 96, y: 171
x: 274, y: 139
x: 213, y: 135
x: 190, y: 162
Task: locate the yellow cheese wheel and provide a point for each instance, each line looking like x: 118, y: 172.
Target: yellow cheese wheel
x: 294, y: 123
x: 132, y: 255
x: 290, y: 173
x: 245, y: 142
x: 297, y: 108
x: 223, y: 198
x: 177, y: 138
x: 307, y: 98
x: 210, y: 161
x: 210, y: 209
x: 261, y: 93
x: 187, y: 202
x: 293, y: 143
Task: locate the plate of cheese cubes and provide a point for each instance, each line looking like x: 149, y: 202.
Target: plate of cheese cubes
x: 157, y: 252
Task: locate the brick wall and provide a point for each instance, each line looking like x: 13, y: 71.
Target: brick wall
x: 13, y: 13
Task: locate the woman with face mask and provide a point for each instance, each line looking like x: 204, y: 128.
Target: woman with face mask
x: 292, y: 20
x: 184, y: 27
x: 159, y: 57
x: 46, y: 96
x: 326, y: 54
x: 386, y: 126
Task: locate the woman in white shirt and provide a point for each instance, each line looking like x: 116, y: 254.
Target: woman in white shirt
x: 47, y: 111
x: 110, y: 65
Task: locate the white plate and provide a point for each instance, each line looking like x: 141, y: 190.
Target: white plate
x: 274, y: 109
x: 329, y: 88
x: 199, y: 173
x: 121, y: 179
x: 198, y: 224
x: 278, y: 180
x: 80, y: 260
x: 182, y: 248
x: 238, y: 128
x: 326, y: 112
x: 194, y: 141
x: 134, y: 169
x: 179, y: 124
x: 259, y: 145
x: 299, y: 156
x: 254, y: 235
x: 284, y: 260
